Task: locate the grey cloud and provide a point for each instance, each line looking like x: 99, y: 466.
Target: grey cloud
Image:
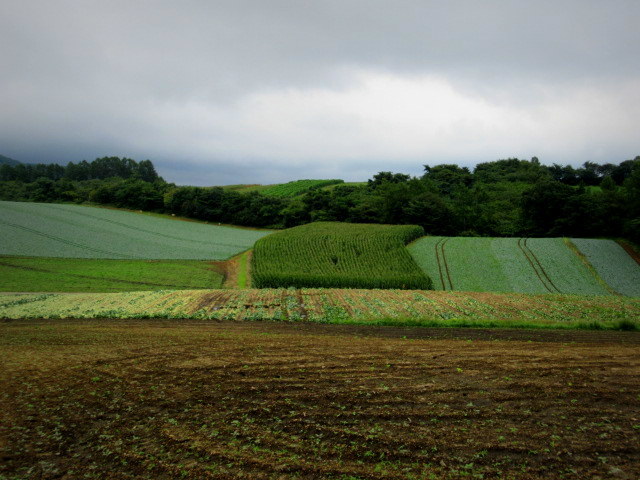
x: 165, y: 80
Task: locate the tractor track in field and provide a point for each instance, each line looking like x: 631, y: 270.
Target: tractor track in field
x: 439, y: 248
x: 540, y: 265
x: 446, y: 264
x: 439, y: 264
x: 533, y: 260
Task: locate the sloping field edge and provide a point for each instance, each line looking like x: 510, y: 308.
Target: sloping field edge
x: 583, y: 258
x: 630, y: 249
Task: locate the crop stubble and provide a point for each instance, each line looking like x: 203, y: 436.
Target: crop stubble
x: 168, y: 399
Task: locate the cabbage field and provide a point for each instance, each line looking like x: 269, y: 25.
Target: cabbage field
x: 613, y: 264
x: 389, y: 307
x: 72, y: 231
x: 531, y: 265
x: 331, y: 254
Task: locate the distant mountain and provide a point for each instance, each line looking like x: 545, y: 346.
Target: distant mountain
x: 8, y: 161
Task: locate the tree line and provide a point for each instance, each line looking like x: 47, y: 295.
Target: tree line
x: 510, y: 197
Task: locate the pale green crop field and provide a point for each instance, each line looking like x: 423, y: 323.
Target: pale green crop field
x: 72, y: 231
x: 533, y: 265
x: 613, y: 264
x: 564, y: 267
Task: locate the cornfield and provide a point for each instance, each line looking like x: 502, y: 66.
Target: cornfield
x: 339, y: 255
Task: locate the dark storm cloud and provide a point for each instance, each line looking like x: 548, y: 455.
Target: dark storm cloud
x: 261, y: 91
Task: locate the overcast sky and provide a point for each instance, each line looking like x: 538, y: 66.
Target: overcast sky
x: 263, y: 91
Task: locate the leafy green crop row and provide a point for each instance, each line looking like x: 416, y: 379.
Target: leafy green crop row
x: 390, y: 307
x: 327, y: 254
x: 72, y: 231
x: 297, y: 187
x: 613, y: 264
x: 533, y: 265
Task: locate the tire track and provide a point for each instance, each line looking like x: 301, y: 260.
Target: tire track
x: 524, y: 252
x: 439, y: 264
x: 64, y: 241
x: 446, y: 264
x: 540, y: 265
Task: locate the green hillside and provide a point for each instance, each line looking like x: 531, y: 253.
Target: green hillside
x: 328, y: 254
x: 533, y: 265
x: 8, y: 161
x: 285, y: 190
x: 297, y: 187
x: 54, y: 230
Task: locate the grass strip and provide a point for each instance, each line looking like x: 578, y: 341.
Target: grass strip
x: 242, y: 270
x: 100, y: 275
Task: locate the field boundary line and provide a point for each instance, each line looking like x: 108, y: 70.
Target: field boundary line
x: 633, y: 253
x: 540, y: 265
x: 446, y: 265
x: 66, y: 242
x: 444, y: 287
x: 583, y: 258
x: 524, y: 252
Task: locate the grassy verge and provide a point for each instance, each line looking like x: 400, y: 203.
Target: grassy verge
x: 90, y: 275
x: 243, y: 273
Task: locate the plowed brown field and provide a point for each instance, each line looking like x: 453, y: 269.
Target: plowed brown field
x: 169, y: 399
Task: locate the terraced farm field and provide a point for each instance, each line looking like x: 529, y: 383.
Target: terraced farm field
x: 331, y: 254
x: 389, y: 307
x: 532, y: 265
x: 71, y: 231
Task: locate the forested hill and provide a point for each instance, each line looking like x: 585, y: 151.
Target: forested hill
x: 510, y: 197
x: 8, y: 161
x: 99, y: 169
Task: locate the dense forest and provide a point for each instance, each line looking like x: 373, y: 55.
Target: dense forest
x: 501, y: 198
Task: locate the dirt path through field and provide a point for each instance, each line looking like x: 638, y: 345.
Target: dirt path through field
x: 171, y: 399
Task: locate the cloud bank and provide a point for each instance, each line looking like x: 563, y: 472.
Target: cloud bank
x: 258, y: 92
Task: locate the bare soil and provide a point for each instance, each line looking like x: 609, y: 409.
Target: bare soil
x: 184, y: 399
